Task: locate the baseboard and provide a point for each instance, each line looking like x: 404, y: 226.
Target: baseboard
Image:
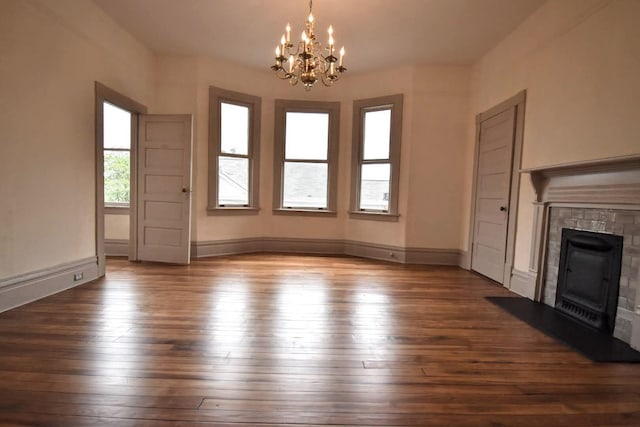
x: 432, y: 256
x: 375, y: 251
x: 225, y: 247
x: 116, y: 247
x: 464, y: 260
x: 523, y: 283
x: 266, y: 244
x: 19, y: 290
x: 303, y: 246
x: 427, y: 256
x: 329, y: 247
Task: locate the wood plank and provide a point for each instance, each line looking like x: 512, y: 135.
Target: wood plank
x: 279, y: 340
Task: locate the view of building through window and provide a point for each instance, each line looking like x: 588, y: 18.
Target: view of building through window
x: 117, y: 154
x: 233, y: 161
x: 306, y: 163
x: 375, y: 174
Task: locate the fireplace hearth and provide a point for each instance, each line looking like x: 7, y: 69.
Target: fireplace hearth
x: 588, y: 277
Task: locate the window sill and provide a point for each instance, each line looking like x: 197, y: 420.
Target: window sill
x: 116, y: 210
x: 374, y: 216
x: 305, y: 212
x: 232, y: 210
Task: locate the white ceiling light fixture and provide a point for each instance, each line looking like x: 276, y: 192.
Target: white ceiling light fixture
x: 307, y: 64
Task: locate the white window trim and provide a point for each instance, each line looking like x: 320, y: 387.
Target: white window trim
x: 360, y: 107
x: 282, y: 107
x: 117, y: 208
x: 253, y: 103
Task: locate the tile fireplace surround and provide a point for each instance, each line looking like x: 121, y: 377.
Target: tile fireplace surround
x: 601, y: 196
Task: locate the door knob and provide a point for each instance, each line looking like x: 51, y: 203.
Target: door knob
x: 503, y: 208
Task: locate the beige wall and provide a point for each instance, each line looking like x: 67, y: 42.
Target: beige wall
x: 51, y: 54
x: 437, y: 156
x: 371, y: 85
x: 263, y: 84
x: 579, y: 61
x: 116, y: 227
x: 435, y: 109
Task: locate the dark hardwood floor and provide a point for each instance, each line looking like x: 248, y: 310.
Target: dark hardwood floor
x: 295, y: 340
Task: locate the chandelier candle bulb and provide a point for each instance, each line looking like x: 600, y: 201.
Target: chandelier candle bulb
x: 341, y: 56
x: 288, y: 33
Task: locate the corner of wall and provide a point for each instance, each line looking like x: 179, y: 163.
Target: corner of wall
x: 19, y: 290
x: 523, y: 283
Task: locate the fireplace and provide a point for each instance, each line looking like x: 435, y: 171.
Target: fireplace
x: 589, y: 277
x: 601, y: 197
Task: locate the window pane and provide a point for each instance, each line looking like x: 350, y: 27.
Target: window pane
x: 116, y: 176
x: 307, y: 136
x: 374, y: 188
x: 116, y: 127
x: 305, y: 185
x: 377, y: 134
x: 233, y: 181
x: 234, y: 129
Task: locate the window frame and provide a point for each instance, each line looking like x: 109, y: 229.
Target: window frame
x: 282, y: 107
x: 360, y: 107
x: 217, y: 96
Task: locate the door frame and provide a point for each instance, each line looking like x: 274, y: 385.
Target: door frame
x: 518, y: 102
x: 106, y: 94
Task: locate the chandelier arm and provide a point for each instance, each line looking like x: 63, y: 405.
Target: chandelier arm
x: 329, y: 80
x: 282, y: 74
x: 325, y: 80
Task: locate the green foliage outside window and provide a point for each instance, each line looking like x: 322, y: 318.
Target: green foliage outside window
x: 116, y: 176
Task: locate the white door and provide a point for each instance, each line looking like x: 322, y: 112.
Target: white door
x: 164, y: 188
x: 493, y: 182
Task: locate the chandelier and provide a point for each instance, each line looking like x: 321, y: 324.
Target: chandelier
x: 307, y: 63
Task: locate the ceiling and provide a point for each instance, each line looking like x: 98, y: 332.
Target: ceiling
x: 376, y: 33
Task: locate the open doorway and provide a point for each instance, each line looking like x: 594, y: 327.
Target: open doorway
x: 143, y: 181
x: 117, y: 143
x: 116, y: 154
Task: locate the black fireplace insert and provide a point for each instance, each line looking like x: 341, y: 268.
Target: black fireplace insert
x: 589, y: 277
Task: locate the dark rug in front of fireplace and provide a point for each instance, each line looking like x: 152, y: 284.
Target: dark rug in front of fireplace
x: 591, y: 343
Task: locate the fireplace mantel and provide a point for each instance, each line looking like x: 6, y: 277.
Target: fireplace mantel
x: 612, y: 180
x: 611, y: 183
